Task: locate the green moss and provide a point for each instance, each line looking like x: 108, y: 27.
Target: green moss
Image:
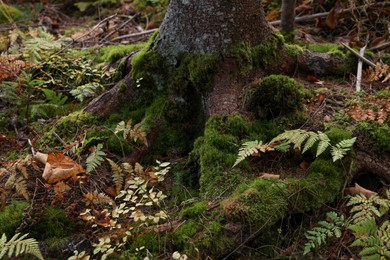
x: 115, y: 52
x: 201, y: 70
x: 277, y: 95
x: 54, y: 245
x: 337, y: 134
x: 321, y: 186
x: 293, y: 49
x: 195, y: 210
x: 249, y: 56
x: 54, y: 223
x: 379, y: 133
x: 153, y: 242
x: 325, y: 48
x: 383, y: 93
x: 9, y: 14
x: 184, y: 234
x: 67, y: 127
x: 11, y: 217
x: 216, y: 152
x: 262, y: 203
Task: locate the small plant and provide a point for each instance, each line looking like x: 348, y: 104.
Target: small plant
x: 374, y: 240
x: 326, y: 229
x: 18, y: 245
x: 134, y: 133
x: 301, y: 139
x: 95, y: 158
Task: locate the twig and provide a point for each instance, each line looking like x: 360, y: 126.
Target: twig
x: 246, y: 240
x: 380, y: 46
x: 359, y: 70
x: 120, y: 27
x: 360, y: 56
x: 88, y: 33
x: 134, y: 34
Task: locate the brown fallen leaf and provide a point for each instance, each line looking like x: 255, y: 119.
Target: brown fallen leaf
x: 360, y: 190
x: 58, y: 167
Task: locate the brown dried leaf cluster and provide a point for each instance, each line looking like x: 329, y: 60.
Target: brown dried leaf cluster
x: 10, y: 66
x: 367, y: 114
x: 380, y: 73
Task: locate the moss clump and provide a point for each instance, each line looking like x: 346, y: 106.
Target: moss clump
x: 249, y: 56
x: 321, y: 186
x: 184, y: 234
x: 9, y: 14
x: 379, y: 133
x: 277, y: 95
x: 261, y: 202
x: 265, y: 202
x: 153, y: 242
x: 54, y: 223
x: 11, y: 217
x: 293, y: 49
x: 216, y: 152
x: 329, y: 48
x: 195, y: 210
x: 115, y: 52
x: 67, y: 127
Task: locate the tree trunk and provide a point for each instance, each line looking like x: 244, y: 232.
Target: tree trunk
x: 288, y: 17
x: 211, y: 26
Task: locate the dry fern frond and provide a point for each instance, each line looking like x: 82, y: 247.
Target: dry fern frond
x: 18, y: 246
x: 380, y: 73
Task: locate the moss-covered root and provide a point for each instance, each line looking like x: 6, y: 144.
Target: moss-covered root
x: 217, y: 151
x: 264, y: 202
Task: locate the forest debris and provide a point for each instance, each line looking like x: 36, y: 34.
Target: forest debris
x: 360, y: 190
x: 380, y: 72
x: 270, y: 176
x: 58, y: 167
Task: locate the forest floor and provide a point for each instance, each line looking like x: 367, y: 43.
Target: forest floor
x: 75, y: 183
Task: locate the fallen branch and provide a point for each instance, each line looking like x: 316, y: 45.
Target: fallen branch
x: 360, y: 56
x: 134, y: 34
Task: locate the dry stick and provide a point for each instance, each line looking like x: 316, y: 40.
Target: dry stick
x: 134, y: 34
x: 380, y: 46
x: 359, y: 70
x: 88, y: 33
x: 246, y: 241
x: 360, y: 56
x: 120, y: 27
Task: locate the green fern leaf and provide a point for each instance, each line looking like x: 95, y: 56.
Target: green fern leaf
x: 86, y: 91
x: 313, y: 138
x: 95, y: 159
x: 247, y: 149
x: 323, y: 144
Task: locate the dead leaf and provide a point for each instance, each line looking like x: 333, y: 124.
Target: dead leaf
x: 304, y: 165
x: 58, y: 167
x: 270, y: 176
x: 360, y: 190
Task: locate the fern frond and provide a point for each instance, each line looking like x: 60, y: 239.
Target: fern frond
x: 18, y: 245
x: 95, y: 159
x: 117, y: 175
x: 21, y: 187
x: 341, y: 149
x: 323, y: 144
x: 138, y: 132
x: 319, y: 235
x: 86, y: 91
x: 313, y: 138
x: 247, y: 149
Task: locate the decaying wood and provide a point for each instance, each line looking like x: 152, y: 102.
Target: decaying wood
x: 318, y: 63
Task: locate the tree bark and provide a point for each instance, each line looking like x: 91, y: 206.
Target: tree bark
x: 288, y: 16
x: 211, y: 26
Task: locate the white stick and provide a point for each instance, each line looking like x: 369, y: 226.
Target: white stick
x: 359, y: 70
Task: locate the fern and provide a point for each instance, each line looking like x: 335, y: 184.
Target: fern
x: 251, y: 148
x: 136, y: 132
x: 364, y: 207
x: 18, y: 246
x: 41, y: 43
x: 117, y: 175
x: 341, y: 149
x: 86, y: 91
x: 95, y: 159
x: 375, y: 241
x: 301, y: 139
x: 327, y: 229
